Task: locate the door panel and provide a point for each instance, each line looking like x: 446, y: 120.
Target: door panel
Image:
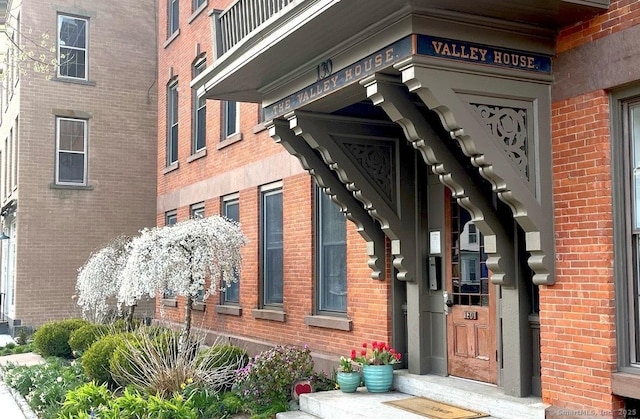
x: 471, y: 330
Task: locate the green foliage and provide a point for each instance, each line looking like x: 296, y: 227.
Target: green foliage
x: 121, y: 325
x: 126, y: 358
x: 52, y: 339
x: 86, y: 398
x: 322, y: 382
x: 223, y: 355
x: 82, y: 338
x: 130, y: 405
x: 44, y: 386
x: 92, y: 400
x: 174, y: 408
x: 11, y: 349
x: 23, y: 337
x: 97, y: 359
x: 267, y: 379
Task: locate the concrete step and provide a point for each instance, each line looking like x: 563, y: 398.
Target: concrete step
x: 467, y: 394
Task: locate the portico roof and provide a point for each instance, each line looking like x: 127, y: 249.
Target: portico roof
x: 288, y: 44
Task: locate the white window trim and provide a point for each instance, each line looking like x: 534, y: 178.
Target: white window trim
x: 226, y: 134
x: 58, y: 151
x: 196, y: 110
x: 265, y: 190
x: 171, y: 87
x: 86, y: 49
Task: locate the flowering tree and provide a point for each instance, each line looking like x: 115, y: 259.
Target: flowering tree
x: 100, y: 278
x: 181, y: 258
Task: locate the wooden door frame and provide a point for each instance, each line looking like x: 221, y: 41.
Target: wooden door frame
x: 491, y: 309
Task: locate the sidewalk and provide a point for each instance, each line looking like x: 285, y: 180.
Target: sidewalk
x: 12, y: 405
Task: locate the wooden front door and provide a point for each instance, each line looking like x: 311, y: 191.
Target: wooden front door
x: 471, y: 329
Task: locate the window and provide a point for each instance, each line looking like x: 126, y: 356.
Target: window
x: 172, y: 119
x: 72, y: 47
x: 173, y: 15
x: 473, y: 233
x: 630, y: 288
x: 331, y: 256
x: 231, y: 210
x: 230, y: 119
x: 10, y: 162
x: 199, y: 112
x: 71, y: 149
x: 197, y: 3
x: 170, y: 218
x: 16, y: 142
x: 271, y: 240
x: 197, y: 211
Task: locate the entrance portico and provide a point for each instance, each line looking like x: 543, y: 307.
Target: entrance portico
x: 390, y: 118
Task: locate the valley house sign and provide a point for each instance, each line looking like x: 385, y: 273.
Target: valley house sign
x: 411, y: 45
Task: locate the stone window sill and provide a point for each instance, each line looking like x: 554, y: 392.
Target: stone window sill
x: 170, y: 302
x: 171, y: 168
x: 171, y: 38
x: 229, y: 310
x: 626, y: 384
x: 329, y: 322
x: 198, y: 306
x: 229, y: 140
x: 197, y: 155
x: 265, y: 314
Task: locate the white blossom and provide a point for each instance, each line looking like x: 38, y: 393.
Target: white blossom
x: 100, y: 277
x: 182, y: 257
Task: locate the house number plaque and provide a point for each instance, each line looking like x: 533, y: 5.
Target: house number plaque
x: 471, y: 315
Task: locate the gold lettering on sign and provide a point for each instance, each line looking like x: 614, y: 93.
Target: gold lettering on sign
x: 457, y: 50
x: 450, y: 49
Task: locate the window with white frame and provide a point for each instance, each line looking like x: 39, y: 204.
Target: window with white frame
x: 199, y: 112
x: 72, y: 47
x: 172, y: 122
x: 230, y: 118
x: 16, y: 143
x: 170, y: 218
x: 331, y: 256
x: 197, y: 3
x: 197, y: 211
x: 71, y: 151
x: 173, y: 15
x: 271, y: 241
x: 626, y: 198
x: 231, y: 210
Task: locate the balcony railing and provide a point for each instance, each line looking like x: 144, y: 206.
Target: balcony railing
x: 241, y: 18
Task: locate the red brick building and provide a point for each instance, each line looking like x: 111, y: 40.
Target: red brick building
x: 455, y: 178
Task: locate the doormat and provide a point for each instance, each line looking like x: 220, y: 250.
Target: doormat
x: 433, y: 409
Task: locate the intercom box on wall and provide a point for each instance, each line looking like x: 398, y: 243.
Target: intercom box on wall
x: 435, y: 273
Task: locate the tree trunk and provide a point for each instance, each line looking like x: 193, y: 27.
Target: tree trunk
x: 183, y: 343
x: 129, y: 318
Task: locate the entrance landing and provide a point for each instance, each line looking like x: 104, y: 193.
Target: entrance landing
x: 466, y: 394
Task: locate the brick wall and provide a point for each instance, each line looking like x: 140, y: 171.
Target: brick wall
x: 253, y: 157
x: 622, y: 14
x: 577, y: 313
x: 59, y: 228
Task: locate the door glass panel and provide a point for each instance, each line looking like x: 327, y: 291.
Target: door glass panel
x: 470, y: 275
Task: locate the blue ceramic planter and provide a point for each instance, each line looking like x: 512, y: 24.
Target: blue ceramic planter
x: 377, y: 378
x: 348, y: 381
